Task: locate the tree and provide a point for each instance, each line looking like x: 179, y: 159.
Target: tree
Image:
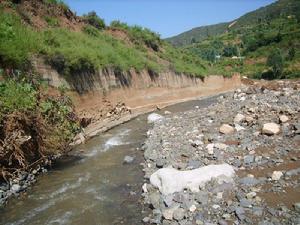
x: 193, y: 40
x: 230, y: 50
x: 291, y: 53
x: 275, y: 61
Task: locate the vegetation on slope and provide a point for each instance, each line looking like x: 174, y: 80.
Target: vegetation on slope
x: 262, y: 44
x: 91, y: 48
x: 247, y: 50
x: 267, y: 13
x: 34, y: 126
x: 198, y: 34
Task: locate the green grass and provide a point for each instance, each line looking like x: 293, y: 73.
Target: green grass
x: 17, y: 42
x: 90, y: 50
x: 16, y: 96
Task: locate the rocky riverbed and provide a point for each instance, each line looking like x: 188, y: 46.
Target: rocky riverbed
x: 254, y: 129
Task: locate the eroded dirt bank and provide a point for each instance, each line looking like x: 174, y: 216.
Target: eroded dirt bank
x: 256, y: 131
x: 100, y: 108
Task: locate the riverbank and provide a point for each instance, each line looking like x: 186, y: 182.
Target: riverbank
x: 132, y: 102
x: 115, y: 114
x: 256, y: 131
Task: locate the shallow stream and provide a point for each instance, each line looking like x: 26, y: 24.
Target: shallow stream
x: 93, y: 185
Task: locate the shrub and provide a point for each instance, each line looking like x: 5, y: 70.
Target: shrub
x: 16, y: 96
x: 119, y: 24
x: 275, y: 61
x: 94, y: 20
x: 60, y: 3
x: 291, y: 53
x: 90, y: 30
x: 230, y: 50
x: 53, y: 22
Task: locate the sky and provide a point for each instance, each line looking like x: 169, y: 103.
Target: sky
x: 167, y: 17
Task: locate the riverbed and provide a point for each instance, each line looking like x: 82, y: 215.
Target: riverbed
x: 92, y: 185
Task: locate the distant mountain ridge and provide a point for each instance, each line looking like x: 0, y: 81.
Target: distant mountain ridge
x: 268, y: 12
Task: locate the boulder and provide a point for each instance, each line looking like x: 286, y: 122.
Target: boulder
x: 271, y: 128
x: 226, y: 129
x: 170, y: 180
x: 154, y: 117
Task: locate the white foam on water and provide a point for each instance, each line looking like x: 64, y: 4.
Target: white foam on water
x: 64, y: 219
x: 32, y: 213
x: 66, y: 187
x: 116, y: 140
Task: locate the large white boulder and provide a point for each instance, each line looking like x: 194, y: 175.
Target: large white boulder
x: 170, y: 180
x: 154, y: 117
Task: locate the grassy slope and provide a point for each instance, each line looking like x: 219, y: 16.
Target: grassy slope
x: 89, y: 49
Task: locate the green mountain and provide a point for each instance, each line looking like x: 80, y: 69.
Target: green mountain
x: 267, y: 13
x: 248, y: 44
x: 198, y: 34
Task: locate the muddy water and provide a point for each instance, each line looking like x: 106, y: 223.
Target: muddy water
x: 92, y: 186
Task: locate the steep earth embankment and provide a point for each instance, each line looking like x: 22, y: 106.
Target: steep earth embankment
x: 109, y: 95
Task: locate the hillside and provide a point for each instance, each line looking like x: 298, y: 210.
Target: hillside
x: 72, y: 44
x: 272, y: 11
x: 198, y: 34
x: 261, y: 44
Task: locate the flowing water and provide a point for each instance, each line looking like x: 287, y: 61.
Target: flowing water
x: 92, y: 186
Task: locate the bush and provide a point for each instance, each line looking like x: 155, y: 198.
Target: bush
x: 34, y: 127
x: 230, y: 50
x: 291, y: 53
x: 16, y: 96
x: 94, y: 20
x: 275, y: 61
x: 53, y: 22
x: 60, y: 3
x: 90, y: 30
x: 119, y: 24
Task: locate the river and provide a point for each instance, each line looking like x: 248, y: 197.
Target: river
x: 92, y: 185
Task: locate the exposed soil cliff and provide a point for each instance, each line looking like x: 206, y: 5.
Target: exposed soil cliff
x: 136, y: 90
